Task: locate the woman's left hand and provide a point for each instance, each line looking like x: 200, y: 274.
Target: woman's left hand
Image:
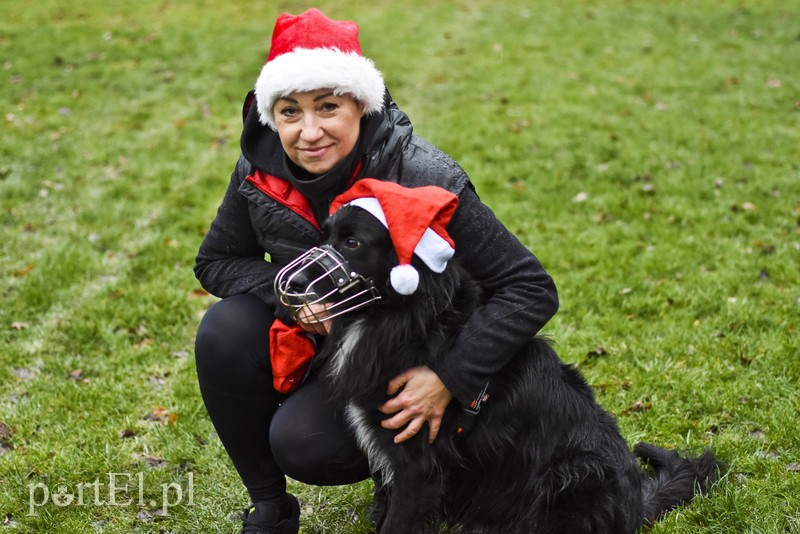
x: 423, y: 398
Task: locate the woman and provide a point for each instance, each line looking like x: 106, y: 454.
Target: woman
x: 320, y: 119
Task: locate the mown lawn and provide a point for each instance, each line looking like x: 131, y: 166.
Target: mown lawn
x: 646, y: 151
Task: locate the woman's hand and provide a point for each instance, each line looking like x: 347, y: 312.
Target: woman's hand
x: 423, y: 399
x: 309, y: 319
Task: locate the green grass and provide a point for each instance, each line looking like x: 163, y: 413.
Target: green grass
x: 646, y: 151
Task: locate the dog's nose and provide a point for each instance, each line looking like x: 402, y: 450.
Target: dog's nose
x: 299, y: 282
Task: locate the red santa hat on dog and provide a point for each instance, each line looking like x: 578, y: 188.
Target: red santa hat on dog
x: 416, y: 218
x: 309, y: 52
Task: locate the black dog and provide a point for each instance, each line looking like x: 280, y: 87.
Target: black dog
x: 542, y: 455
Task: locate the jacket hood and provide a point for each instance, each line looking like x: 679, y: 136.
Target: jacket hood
x: 383, y: 136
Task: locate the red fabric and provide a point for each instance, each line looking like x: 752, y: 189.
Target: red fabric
x: 286, y: 194
x: 310, y: 30
x: 282, y: 191
x: 290, y: 352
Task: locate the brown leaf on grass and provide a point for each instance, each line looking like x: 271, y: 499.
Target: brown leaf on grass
x: 766, y: 250
x: 25, y: 271
x: 75, y: 374
x: 744, y: 206
x: 156, y: 414
x: 160, y: 414
x: 625, y: 385
x: 144, y: 516
x: 640, y: 406
x: 597, y: 351
x: 127, y: 433
x: 5, y: 438
x: 78, y: 376
x: 198, y: 294
x: 152, y: 461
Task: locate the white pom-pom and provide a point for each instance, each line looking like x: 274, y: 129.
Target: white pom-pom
x: 405, y: 279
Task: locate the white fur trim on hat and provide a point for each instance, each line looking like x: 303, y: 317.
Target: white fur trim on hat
x: 305, y: 69
x: 434, y: 251
x: 372, y: 205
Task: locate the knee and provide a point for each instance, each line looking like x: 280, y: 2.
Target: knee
x: 233, y: 338
x: 315, y: 454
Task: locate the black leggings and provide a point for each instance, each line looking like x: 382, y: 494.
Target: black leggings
x: 266, y: 434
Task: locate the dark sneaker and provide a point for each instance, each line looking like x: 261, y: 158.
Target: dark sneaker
x: 265, y: 518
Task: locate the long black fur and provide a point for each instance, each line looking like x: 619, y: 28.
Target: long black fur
x: 542, y: 457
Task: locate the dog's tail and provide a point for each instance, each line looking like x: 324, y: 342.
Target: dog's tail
x: 674, y: 479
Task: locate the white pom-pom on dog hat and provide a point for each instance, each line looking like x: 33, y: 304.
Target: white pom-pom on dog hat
x: 311, y: 51
x: 416, y: 218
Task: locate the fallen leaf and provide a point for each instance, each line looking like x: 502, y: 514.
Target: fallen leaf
x: 793, y: 467
x: 198, y: 293
x: 5, y: 439
x: 75, y: 374
x: 150, y: 461
x: 24, y: 271
x: 159, y: 414
x: 640, y: 406
x: 599, y: 350
x: 20, y: 325
x: 144, y: 516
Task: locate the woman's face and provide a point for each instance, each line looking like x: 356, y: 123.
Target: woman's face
x: 317, y: 129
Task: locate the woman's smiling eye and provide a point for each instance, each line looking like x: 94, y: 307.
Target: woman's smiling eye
x: 352, y: 243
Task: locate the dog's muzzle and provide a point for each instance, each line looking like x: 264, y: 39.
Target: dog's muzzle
x: 319, y: 285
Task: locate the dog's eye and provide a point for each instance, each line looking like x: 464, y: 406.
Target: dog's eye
x: 352, y: 243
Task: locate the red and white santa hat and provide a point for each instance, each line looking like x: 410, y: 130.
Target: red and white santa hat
x: 310, y: 52
x: 417, y: 219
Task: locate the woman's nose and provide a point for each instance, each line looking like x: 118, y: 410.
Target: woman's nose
x: 312, y: 129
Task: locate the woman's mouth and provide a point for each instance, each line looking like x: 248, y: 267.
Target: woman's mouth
x: 315, y: 152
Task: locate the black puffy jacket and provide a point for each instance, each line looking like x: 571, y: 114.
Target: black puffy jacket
x: 264, y: 222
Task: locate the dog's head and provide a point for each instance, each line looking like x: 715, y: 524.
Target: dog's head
x: 348, y: 271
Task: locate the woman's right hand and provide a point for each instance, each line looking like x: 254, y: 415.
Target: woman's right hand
x: 309, y: 319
